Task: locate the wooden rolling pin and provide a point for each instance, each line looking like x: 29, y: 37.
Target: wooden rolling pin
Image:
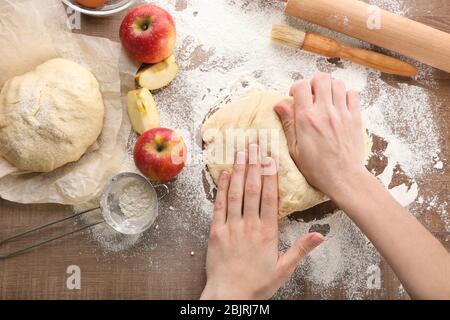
x: 396, y: 33
x: 328, y: 47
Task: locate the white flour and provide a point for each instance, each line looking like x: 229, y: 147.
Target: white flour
x: 135, y: 199
x: 343, y: 259
x: 439, y: 165
x: 231, y: 37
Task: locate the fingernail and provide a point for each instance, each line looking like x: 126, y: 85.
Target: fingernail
x: 316, y: 239
x: 253, y: 153
x: 269, y: 166
x: 240, y: 157
x: 267, y: 161
x: 224, y: 176
x: 280, y: 111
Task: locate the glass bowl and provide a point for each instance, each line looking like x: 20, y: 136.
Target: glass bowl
x: 109, y: 8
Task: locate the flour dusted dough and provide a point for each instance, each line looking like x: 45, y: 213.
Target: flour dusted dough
x: 256, y: 112
x: 49, y: 116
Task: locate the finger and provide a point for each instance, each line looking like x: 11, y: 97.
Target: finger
x: 236, y: 189
x: 286, y: 115
x: 339, y: 94
x: 321, y: 88
x: 301, y: 247
x: 302, y: 93
x: 252, y: 193
x: 303, y: 99
x: 220, y: 204
x: 269, y: 194
x: 353, y: 102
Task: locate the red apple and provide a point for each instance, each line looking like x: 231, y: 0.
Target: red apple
x: 148, y: 34
x: 160, y: 154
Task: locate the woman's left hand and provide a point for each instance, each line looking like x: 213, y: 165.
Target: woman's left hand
x: 243, y: 261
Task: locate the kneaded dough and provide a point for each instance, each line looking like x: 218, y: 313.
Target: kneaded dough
x: 49, y: 116
x: 256, y: 112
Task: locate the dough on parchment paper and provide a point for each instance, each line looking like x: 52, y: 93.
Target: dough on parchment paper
x: 49, y: 116
x: 256, y: 112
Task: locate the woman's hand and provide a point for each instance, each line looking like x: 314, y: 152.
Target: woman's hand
x: 243, y: 261
x: 324, y: 131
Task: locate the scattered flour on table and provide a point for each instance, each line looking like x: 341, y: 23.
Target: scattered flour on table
x: 224, y: 50
x: 439, y: 165
x: 345, y: 255
x: 395, y: 6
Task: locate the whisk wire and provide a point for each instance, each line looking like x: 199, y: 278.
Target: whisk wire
x: 44, y: 226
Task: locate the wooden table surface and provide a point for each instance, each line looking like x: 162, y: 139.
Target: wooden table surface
x: 172, y: 272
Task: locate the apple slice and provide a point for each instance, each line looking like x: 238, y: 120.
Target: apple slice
x: 158, y: 75
x: 142, y: 110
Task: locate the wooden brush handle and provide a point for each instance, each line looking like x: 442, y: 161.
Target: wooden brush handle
x: 399, y: 34
x: 331, y: 48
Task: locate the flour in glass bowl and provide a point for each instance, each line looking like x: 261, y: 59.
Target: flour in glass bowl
x: 224, y: 50
x: 135, y: 199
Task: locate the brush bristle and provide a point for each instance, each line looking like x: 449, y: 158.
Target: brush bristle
x: 288, y: 36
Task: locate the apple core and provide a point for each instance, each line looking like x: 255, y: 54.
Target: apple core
x: 144, y: 24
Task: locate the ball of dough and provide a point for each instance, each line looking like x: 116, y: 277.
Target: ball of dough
x: 49, y: 116
x: 253, y: 120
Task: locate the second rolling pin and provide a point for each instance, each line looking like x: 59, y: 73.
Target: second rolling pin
x: 328, y: 47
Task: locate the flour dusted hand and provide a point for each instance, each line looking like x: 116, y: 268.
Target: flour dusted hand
x: 49, y: 116
x: 324, y: 131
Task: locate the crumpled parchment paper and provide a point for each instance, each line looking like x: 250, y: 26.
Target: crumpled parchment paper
x: 31, y: 32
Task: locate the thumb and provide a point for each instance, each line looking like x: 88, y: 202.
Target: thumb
x: 286, y: 115
x: 301, y: 248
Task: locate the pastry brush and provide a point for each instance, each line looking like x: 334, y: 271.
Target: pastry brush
x: 328, y: 47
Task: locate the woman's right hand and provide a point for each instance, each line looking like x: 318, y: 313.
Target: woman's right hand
x: 324, y: 132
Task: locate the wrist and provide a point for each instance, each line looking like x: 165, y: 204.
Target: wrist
x: 214, y: 292
x: 350, y: 185
x: 208, y: 294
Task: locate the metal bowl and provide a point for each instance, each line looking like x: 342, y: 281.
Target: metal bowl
x: 109, y: 8
x: 111, y: 206
x: 112, y: 211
